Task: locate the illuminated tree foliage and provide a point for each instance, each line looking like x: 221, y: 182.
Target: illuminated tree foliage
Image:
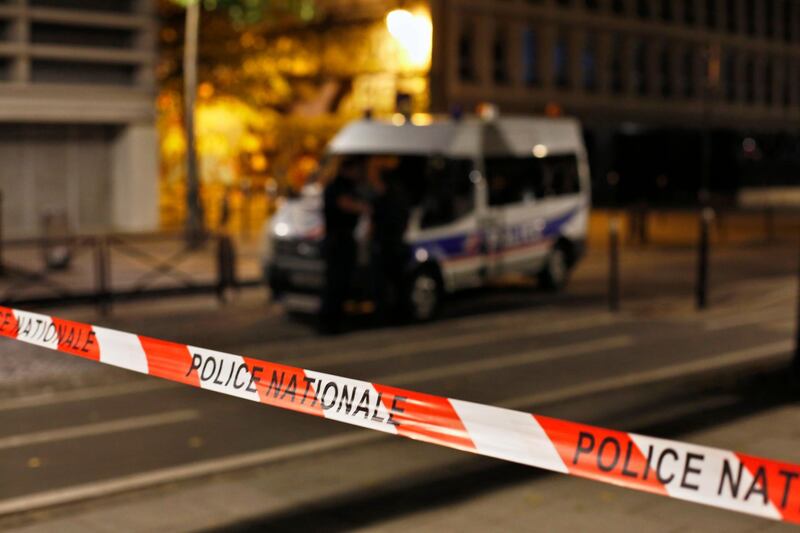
x: 244, y: 12
x: 276, y: 82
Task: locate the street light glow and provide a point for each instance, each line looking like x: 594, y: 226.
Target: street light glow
x: 413, y: 32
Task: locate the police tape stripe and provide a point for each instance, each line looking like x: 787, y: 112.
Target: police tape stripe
x: 700, y: 474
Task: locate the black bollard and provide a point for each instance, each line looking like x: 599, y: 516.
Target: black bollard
x: 2, y: 264
x: 796, y: 359
x: 613, y: 264
x: 769, y: 224
x: 226, y: 267
x: 706, y: 217
x: 102, y: 276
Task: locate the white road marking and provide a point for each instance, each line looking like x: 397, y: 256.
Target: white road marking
x: 764, y: 353
x: 175, y: 474
x: 463, y: 340
x: 746, y: 319
x: 78, y: 395
x: 507, y: 361
x: 98, y: 428
x: 304, y: 350
x: 782, y: 326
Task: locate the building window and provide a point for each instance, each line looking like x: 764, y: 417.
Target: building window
x: 589, y: 62
x: 466, y: 54
x: 530, y: 57
x: 564, y: 3
x: 769, y: 83
x: 788, y: 17
x: 729, y: 76
x: 750, y: 80
x: 617, y: 85
x: 5, y: 30
x: 732, y: 15
x: 43, y: 33
x: 643, y: 8
x: 5, y: 69
x: 561, y: 62
x: 500, y: 57
x: 592, y: 4
x: 666, y: 10
x: 74, y: 72
x: 750, y: 16
x: 639, y: 74
x: 711, y: 13
x: 796, y: 83
x: 665, y: 75
x: 618, y: 6
x: 769, y: 14
x: 687, y: 70
x: 688, y: 12
x: 117, y: 6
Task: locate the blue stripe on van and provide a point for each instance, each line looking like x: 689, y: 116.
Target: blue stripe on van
x: 470, y: 244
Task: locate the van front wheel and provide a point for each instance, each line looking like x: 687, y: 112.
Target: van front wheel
x: 424, y: 296
x: 555, y: 273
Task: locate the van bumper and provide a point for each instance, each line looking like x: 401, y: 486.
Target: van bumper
x: 295, y: 276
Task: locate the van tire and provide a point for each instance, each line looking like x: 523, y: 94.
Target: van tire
x: 555, y: 273
x: 424, y: 294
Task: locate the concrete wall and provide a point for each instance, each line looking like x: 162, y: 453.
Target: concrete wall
x: 54, y: 169
x: 134, y: 179
x: 77, y: 114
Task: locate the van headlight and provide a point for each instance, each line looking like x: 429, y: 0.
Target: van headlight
x: 281, y: 229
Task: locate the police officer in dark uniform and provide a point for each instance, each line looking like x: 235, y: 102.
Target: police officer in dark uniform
x: 388, y: 250
x: 342, y: 208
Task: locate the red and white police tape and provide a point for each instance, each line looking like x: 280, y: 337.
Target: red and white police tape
x: 711, y: 476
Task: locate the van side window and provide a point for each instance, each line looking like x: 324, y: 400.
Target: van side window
x: 513, y: 179
x: 449, y: 193
x: 560, y: 176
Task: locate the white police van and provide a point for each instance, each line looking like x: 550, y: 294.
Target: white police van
x: 489, y: 198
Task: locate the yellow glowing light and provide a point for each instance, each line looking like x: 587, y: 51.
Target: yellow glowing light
x: 205, y: 90
x: 398, y: 119
x: 421, y: 119
x: 250, y: 143
x: 258, y: 162
x: 414, y: 33
x: 540, y: 151
x: 173, y: 142
x: 164, y: 101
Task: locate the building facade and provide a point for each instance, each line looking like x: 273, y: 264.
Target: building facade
x: 646, y: 77
x: 663, y: 61
x: 77, y: 117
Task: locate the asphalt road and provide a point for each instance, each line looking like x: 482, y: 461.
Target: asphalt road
x: 92, y: 433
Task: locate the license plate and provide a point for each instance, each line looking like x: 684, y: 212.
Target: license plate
x: 304, y: 303
x: 310, y: 280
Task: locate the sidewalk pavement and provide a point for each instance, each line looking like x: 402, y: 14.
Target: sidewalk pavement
x: 681, y: 227
x: 133, y: 262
